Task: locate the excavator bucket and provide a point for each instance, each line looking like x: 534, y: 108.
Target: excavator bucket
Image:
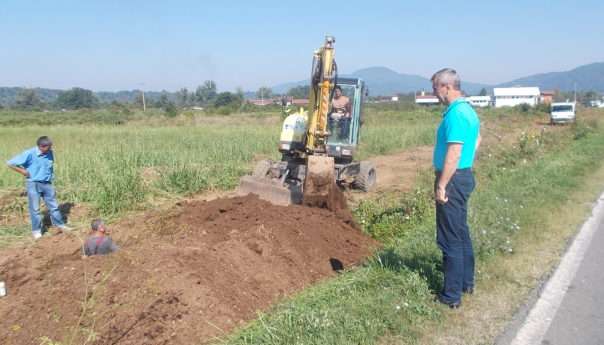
x: 320, y: 188
x: 271, y: 190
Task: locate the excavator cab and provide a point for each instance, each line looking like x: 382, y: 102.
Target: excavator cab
x: 344, y: 130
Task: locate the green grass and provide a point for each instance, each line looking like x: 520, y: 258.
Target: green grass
x: 11, y: 234
x: 110, y: 116
x: 514, y: 193
x: 388, y: 130
x: 117, y: 168
x: 121, y: 168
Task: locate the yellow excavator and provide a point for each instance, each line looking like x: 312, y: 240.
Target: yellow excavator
x: 317, y: 145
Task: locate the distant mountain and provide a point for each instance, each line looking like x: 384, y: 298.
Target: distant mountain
x: 587, y: 78
x: 383, y: 81
x: 282, y: 89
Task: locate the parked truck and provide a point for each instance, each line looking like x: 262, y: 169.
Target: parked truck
x: 562, y: 112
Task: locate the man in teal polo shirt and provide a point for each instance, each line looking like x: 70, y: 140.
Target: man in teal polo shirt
x: 457, y: 140
x: 36, y: 165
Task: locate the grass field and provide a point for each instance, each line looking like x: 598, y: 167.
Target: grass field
x: 119, y: 168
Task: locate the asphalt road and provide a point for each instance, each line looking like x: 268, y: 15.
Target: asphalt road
x: 570, y: 308
x: 580, y: 317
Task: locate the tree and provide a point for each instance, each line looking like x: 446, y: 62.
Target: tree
x: 299, y: 91
x: 170, y: 109
x: 77, y: 98
x: 138, y: 99
x: 28, y: 99
x: 225, y: 99
x: 591, y: 95
x: 183, y: 96
x: 206, y: 93
x: 264, y: 92
x: 483, y: 92
x: 164, y: 103
x: 240, y: 95
x: 163, y: 100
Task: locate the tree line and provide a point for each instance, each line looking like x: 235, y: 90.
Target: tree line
x: 205, y: 95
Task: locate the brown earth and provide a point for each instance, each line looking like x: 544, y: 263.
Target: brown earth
x: 398, y: 172
x: 182, y: 276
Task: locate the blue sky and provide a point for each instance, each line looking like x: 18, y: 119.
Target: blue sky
x: 115, y: 45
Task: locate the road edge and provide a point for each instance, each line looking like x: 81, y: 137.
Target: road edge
x: 532, y: 320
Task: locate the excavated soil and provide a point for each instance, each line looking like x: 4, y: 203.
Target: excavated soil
x: 182, y: 276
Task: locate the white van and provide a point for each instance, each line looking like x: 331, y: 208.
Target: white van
x: 562, y: 112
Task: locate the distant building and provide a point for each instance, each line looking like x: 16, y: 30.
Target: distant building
x: 513, y: 96
x: 394, y: 98
x: 426, y: 99
x: 262, y: 102
x: 479, y: 101
x: 547, y: 96
x: 288, y: 100
x: 299, y: 101
x: 595, y: 103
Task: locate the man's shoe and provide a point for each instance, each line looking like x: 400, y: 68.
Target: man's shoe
x: 65, y: 227
x: 452, y: 305
x: 36, y: 234
x: 469, y: 291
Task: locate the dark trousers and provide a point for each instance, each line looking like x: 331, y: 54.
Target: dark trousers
x: 343, y: 127
x: 453, y: 236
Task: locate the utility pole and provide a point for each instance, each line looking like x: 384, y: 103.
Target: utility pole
x: 575, y: 92
x: 142, y: 85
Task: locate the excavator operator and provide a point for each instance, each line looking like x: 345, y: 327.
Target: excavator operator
x: 340, y: 114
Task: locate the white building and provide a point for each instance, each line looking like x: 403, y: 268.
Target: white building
x: 512, y: 96
x: 596, y: 104
x: 479, y: 101
x: 426, y: 99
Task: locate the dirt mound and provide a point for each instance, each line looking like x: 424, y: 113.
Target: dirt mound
x: 182, y: 276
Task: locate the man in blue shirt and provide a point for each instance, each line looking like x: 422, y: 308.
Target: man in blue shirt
x: 457, y: 140
x: 36, y: 164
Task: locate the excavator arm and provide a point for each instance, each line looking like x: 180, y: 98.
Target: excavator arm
x: 320, y: 188
x: 323, y: 78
